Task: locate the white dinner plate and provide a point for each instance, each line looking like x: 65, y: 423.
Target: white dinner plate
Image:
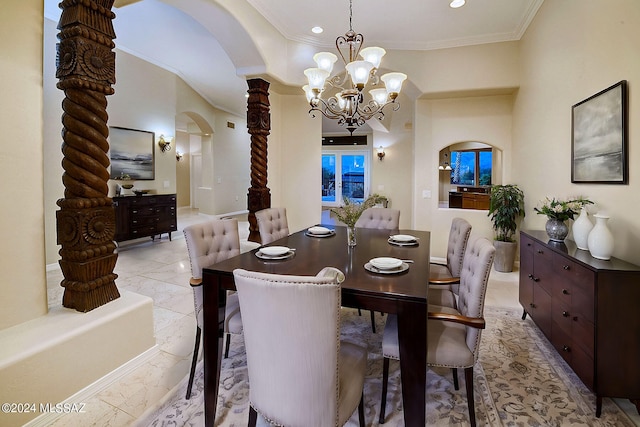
x: 386, y: 263
x: 319, y: 230
x: 393, y: 242
x: 286, y: 255
x: 403, y: 267
x: 274, y: 250
x: 403, y: 238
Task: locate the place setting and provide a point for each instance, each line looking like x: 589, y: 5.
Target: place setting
x: 272, y: 253
x: 403, y: 240
x: 387, y: 265
x: 320, y: 232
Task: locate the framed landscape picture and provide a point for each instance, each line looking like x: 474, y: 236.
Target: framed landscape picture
x: 599, y: 137
x: 131, y: 153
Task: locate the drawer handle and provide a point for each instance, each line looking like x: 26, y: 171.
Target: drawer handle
x: 565, y: 292
x: 566, y: 348
x: 530, y: 276
x: 540, y: 251
x: 566, y: 267
x: 135, y: 212
x: 528, y: 244
x: 565, y: 314
x: 536, y: 279
x: 532, y: 305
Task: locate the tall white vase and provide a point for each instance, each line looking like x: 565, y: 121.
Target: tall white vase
x: 600, y: 239
x: 581, y: 228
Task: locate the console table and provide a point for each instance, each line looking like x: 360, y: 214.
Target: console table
x: 145, y: 215
x: 588, y: 309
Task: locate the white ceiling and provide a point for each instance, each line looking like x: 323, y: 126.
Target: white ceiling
x: 161, y: 34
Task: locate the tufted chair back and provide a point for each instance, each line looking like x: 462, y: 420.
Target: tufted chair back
x: 208, y: 243
x: 272, y: 224
x: 292, y: 342
x: 474, y: 278
x: 458, y: 237
x: 379, y: 218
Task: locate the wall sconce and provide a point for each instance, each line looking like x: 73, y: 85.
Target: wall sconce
x: 165, y: 145
x: 381, y: 153
x: 179, y: 155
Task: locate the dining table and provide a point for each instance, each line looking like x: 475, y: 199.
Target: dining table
x: 402, y: 292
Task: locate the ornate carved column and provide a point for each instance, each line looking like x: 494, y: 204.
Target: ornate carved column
x: 86, y: 219
x: 259, y: 124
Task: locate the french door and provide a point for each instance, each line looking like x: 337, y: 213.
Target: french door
x: 344, y: 173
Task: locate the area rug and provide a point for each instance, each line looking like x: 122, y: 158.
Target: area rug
x: 519, y: 381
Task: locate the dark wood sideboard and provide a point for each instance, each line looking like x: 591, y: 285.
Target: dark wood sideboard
x: 588, y: 309
x: 145, y: 215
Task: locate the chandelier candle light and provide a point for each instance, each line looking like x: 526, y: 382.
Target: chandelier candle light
x: 348, y: 105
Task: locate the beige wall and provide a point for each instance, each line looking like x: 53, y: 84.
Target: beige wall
x: 572, y: 50
x: 22, y: 290
x: 440, y: 123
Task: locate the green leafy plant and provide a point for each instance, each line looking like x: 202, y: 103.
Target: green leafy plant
x: 351, y: 211
x: 506, y: 205
x: 561, y: 210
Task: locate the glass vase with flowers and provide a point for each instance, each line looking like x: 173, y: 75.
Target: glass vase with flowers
x: 558, y: 211
x: 351, y: 211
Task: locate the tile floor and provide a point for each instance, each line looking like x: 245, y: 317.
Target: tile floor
x: 160, y: 269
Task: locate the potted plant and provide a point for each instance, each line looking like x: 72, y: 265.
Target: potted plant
x: 506, y: 206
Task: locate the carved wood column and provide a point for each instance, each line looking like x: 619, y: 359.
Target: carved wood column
x: 259, y: 124
x: 86, y: 219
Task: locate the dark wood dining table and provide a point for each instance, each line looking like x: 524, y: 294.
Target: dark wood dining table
x: 404, y: 294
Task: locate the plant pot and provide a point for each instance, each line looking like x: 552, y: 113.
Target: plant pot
x: 505, y: 256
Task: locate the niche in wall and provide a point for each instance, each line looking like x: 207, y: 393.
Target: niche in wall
x: 469, y: 167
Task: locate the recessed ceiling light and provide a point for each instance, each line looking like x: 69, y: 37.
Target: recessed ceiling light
x: 317, y: 30
x: 457, y: 3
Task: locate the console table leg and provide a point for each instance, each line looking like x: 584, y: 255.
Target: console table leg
x: 524, y: 314
x: 598, y: 405
x: 637, y: 403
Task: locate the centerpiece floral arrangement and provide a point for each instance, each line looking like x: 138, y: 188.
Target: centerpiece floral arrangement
x: 351, y: 211
x: 561, y: 210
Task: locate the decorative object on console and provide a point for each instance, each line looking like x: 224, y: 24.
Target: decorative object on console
x: 348, y: 105
x: 558, y: 211
x: 600, y: 240
x: 599, y: 137
x: 165, y: 144
x: 581, y: 229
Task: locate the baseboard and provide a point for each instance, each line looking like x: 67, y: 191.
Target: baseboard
x: 91, y: 390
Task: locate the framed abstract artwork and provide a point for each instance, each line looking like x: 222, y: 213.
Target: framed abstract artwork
x: 599, y: 152
x: 131, y: 153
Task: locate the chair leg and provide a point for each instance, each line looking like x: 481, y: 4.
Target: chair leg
x: 468, y: 377
x: 253, y: 417
x: 228, y: 343
x: 385, y: 379
x: 454, y: 371
x: 193, y: 362
x: 373, y: 321
x: 361, y: 411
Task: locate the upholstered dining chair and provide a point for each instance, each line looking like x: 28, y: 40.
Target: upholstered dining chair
x: 208, y: 243
x: 453, y: 335
x: 444, y: 278
x: 300, y: 373
x: 380, y: 218
x: 272, y: 224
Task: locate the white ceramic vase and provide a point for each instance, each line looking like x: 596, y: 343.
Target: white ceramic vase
x: 581, y: 228
x: 600, y: 240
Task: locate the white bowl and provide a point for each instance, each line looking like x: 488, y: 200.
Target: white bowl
x: 274, y: 250
x: 403, y: 238
x: 386, y: 263
x: 318, y: 230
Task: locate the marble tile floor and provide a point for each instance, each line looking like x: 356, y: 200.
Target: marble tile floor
x: 160, y: 269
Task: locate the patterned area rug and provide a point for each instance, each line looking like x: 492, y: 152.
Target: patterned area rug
x: 519, y: 381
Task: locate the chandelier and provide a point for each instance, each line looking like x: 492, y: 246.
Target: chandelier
x: 348, y: 104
